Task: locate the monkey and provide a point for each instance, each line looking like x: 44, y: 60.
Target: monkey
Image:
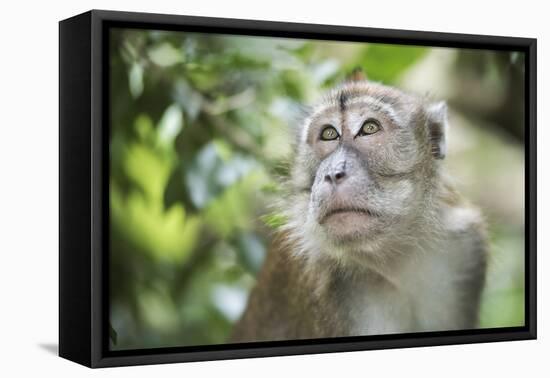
x: 377, y: 239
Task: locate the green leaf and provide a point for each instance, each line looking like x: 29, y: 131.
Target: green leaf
x: 212, y: 171
x: 170, y: 124
x: 175, y: 190
x: 135, y: 80
x: 274, y: 220
x: 188, y: 98
x: 251, y: 251
x: 112, y: 334
x: 165, y: 55
x: 386, y: 63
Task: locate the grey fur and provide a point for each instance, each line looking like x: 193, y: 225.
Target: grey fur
x: 378, y: 241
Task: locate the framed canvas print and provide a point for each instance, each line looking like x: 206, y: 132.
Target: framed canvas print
x: 234, y: 188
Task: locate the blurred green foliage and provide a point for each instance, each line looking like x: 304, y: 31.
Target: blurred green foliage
x: 200, y: 137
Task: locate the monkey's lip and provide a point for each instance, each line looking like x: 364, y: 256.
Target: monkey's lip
x: 343, y: 210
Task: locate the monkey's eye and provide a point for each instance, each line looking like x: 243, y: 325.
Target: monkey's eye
x: 370, y: 126
x: 329, y: 133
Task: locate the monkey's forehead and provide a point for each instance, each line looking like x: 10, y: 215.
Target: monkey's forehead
x: 397, y: 105
x: 349, y: 92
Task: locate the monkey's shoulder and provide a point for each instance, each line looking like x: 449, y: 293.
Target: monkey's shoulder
x: 283, y: 264
x: 277, y: 304
x: 462, y: 221
x: 465, y: 223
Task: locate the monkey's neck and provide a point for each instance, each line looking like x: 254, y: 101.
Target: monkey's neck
x: 381, y: 265
x: 373, y: 297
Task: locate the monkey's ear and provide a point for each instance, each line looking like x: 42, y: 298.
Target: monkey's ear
x: 356, y: 75
x: 438, y: 125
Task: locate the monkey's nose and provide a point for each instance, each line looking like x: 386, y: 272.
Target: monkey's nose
x: 336, y: 176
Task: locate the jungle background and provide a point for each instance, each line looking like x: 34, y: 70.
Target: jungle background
x: 201, y: 126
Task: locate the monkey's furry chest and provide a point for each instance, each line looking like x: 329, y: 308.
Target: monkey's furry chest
x: 436, y: 289
x: 424, y: 296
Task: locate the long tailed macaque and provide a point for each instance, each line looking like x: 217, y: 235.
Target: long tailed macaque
x: 377, y: 241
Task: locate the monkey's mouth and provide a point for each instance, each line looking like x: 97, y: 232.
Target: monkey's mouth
x: 346, y: 210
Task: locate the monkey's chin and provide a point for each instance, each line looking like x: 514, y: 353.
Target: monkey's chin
x: 349, y: 226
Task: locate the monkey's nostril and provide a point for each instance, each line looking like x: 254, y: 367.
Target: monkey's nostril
x: 339, y: 175
x: 335, y: 178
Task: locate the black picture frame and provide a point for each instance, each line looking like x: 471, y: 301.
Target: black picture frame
x: 84, y: 172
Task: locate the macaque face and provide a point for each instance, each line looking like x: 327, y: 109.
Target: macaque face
x: 366, y: 175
